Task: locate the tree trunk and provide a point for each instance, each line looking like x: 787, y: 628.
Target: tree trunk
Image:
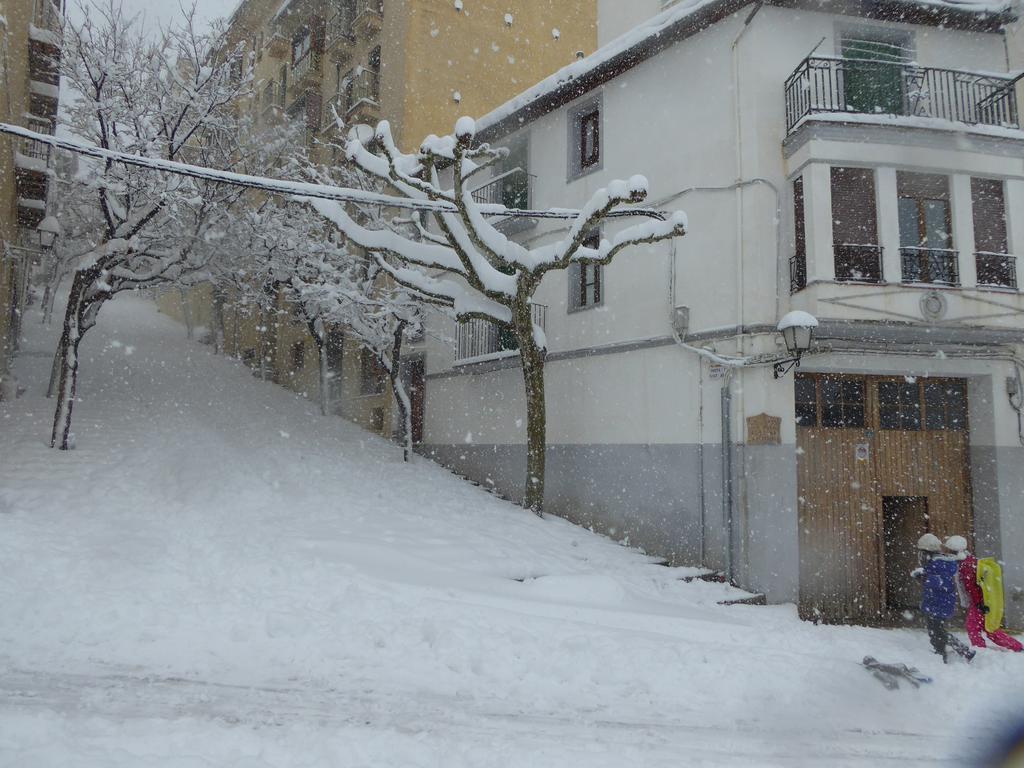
x: 319, y: 335
x: 398, y: 390
x: 532, y: 356
x: 186, y: 314
x: 50, y: 290
x: 55, y: 368
x: 218, y: 320
x: 67, y: 352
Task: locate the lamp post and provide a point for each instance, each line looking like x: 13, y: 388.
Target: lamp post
x: 48, y: 230
x: 797, y: 329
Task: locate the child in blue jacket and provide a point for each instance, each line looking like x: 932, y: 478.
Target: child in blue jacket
x: 939, y: 595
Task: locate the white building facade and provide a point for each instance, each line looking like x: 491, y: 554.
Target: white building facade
x: 865, y: 169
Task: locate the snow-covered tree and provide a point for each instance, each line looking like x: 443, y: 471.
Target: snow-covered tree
x: 174, y: 98
x: 464, y: 262
x: 329, y: 284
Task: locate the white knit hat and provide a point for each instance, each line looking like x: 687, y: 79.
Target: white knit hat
x: 956, y: 544
x: 929, y: 543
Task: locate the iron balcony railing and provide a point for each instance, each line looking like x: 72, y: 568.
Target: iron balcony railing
x: 33, y: 148
x: 339, y: 27
x: 797, y: 272
x: 512, y: 189
x: 856, y: 262
x: 369, y: 7
x: 478, y: 338
x: 930, y: 265
x: 48, y: 16
x: 996, y: 270
x: 362, y: 85
x: 308, y: 64
x: 859, y: 86
x: 337, y: 103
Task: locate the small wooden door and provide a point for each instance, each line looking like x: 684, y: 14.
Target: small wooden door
x: 904, y: 521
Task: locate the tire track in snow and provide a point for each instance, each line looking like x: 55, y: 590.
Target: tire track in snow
x: 125, y: 696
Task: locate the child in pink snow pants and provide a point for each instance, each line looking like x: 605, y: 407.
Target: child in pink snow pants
x: 970, y: 597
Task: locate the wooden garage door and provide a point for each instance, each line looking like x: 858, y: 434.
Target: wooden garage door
x: 868, y: 445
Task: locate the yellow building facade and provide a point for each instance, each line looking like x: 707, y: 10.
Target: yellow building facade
x: 29, y: 47
x: 420, y: 64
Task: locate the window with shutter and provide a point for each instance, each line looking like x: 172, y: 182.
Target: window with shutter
x: 585, y: 280
x: 585, y: 139
x: 926, y: 229
x: 995, y: 266
x: 798, y: 263
x: 855, y: 225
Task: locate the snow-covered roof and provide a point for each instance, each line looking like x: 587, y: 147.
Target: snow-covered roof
x: 676, y: 23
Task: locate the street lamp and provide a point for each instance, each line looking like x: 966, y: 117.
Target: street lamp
x: 797, y: 329
x: 48, y: 231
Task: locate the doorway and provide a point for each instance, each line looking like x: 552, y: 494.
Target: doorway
x: 880, y: 460
x: 904, y: 521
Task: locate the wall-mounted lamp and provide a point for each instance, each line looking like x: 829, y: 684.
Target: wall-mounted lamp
x: 797, y: 329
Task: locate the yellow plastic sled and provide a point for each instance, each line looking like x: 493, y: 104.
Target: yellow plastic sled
x: 990, y: 579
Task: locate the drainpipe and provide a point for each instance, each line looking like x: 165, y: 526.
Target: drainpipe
x: 727, y: 445
x: 727, y: 484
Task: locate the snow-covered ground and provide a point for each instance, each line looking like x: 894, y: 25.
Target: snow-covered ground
x: 217, y: 576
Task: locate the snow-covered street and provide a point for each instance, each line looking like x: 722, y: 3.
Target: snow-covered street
x: 218, y: 576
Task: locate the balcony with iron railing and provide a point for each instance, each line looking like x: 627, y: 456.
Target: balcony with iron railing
x: 48, y: 16
x: 32, y: 154
x: 514, y: 190
x: 478, y: 339
x: 336, y: 105
x: 306, y: 68
x: 858, y: 262
x: 362, y: 95
x: 339, y: 34
x: 822, y: 85
x: 930, y: 265
x: 996, y: 270
x: 369, y: 17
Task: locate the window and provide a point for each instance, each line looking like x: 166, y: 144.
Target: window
x: 873, y: 61
x: 515, y: 186
x: 798, y: 264
x: 585, y: 139
x: 899, y: 405
x: 806, y: 396
x: 916, y: 404
x: 302, y: 43
x: 282, y: 91
x: 945, y: 404
x: 585, y: 279
x: 373, y: 60
x: 995, y: 266
x: 371, y: 373
x: 855, y: 225
x: 926, y: 229
x: 836, y: 402
x: 842, y: 402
